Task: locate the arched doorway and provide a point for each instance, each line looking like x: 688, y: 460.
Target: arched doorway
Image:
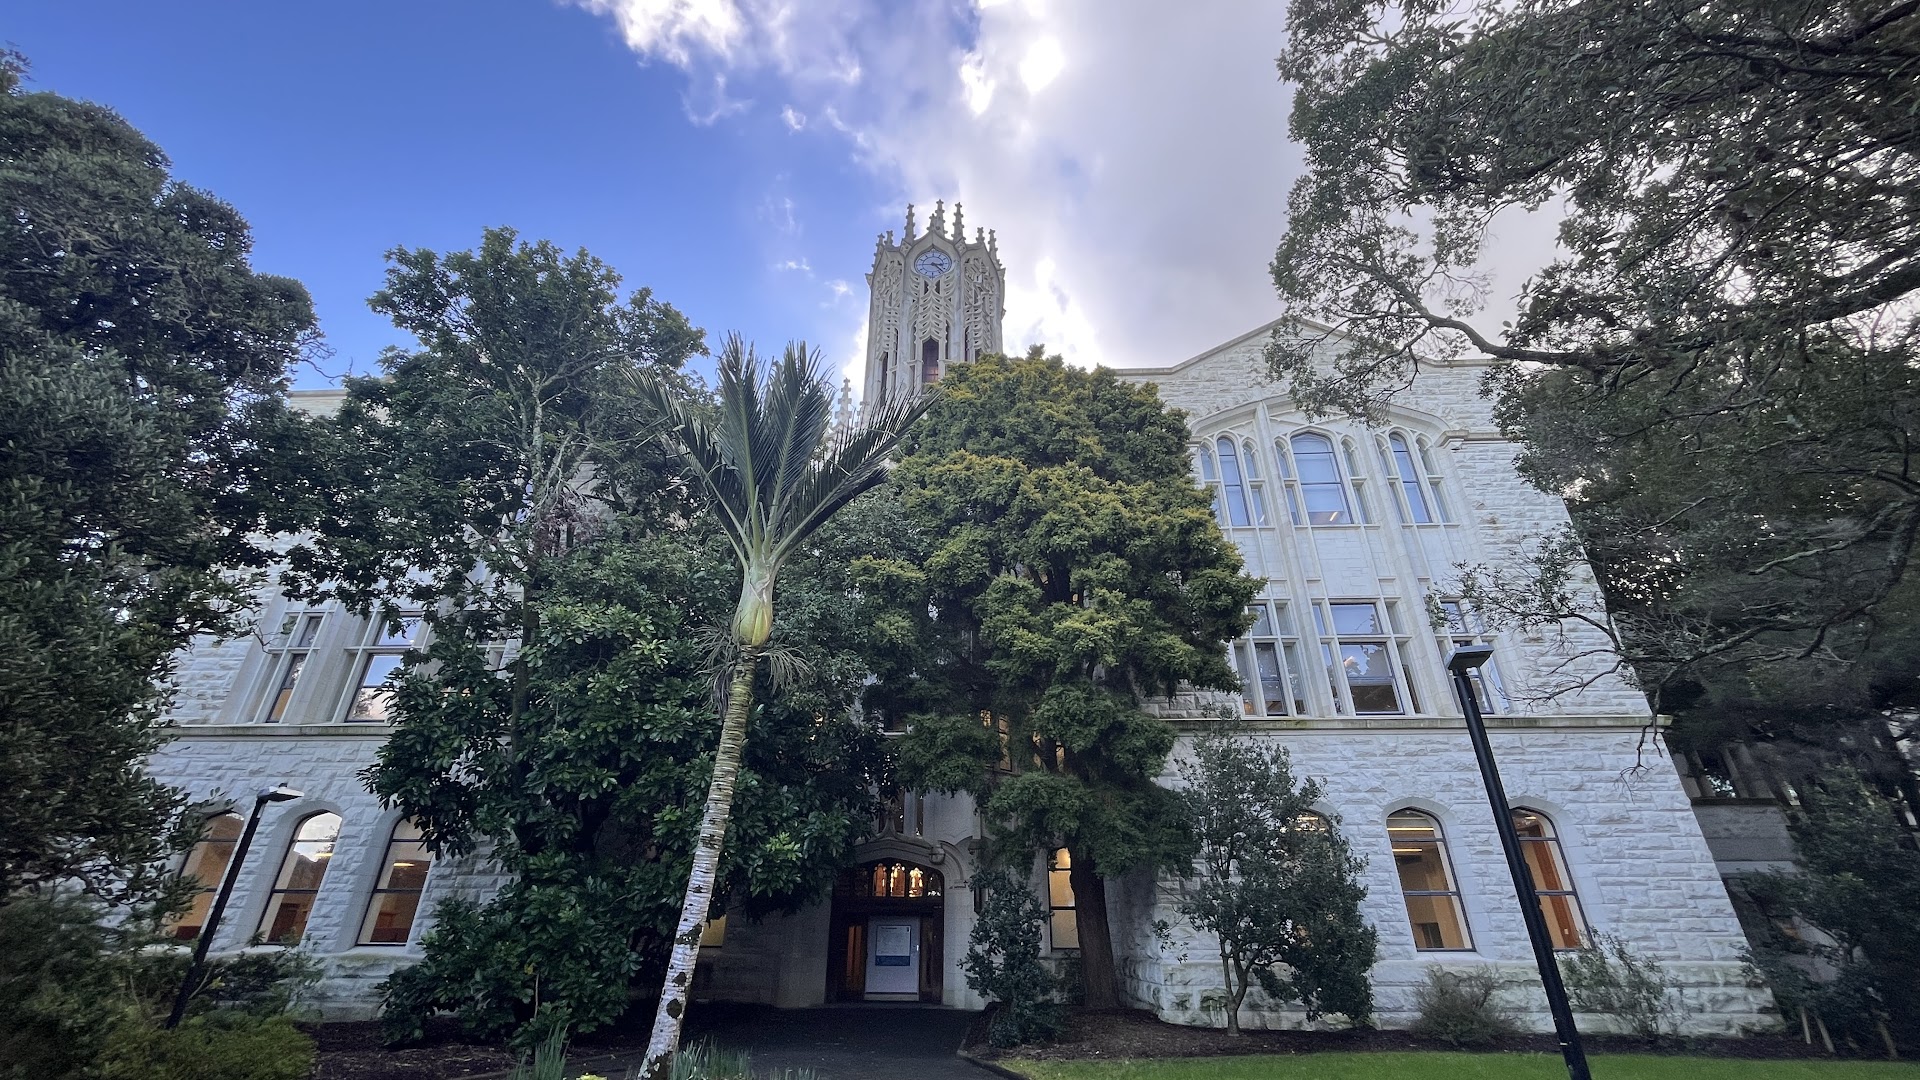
x: 886, y: 941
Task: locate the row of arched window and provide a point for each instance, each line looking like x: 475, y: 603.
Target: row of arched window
x: 1321, y: 484
x: 1432, y: 893
x: 391, y: 908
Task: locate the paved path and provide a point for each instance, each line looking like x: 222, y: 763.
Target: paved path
x: 855, y: 1042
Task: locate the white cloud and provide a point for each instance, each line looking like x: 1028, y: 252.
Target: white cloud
x: 1132, y: 155
x: 795, y: 120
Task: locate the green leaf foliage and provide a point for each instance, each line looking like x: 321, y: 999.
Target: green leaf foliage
x: 1276, y: 884
x: 144, y: 448
x: 1003, y: 961
x: 1057, y: 566
x: 1859, y: 886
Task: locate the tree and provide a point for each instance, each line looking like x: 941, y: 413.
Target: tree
x: 1859, y: 886
x: 1717, y: 366
x: 1003, y: 960
x: 773, y: 472
x: 583, y: 791
x: 1059, y: 567
x: 147, y: 440
x: 1277, y: 886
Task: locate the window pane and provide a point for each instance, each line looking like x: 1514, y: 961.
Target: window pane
x: 1356, y: 619
x: 1313, y: 457
x: 1326, y: 504
x: 407, y: 864
x: 1059, y: 889
x: 1064, y: 925
x: 1207, y: 471
x: 373, y: 702
x: 1295, y: 681
x: 1422, y: 866
x: 1370, y: 679
x: 1563, y: 920
x: 1272, y: 685
x: 1251, y: 460
x: 1436, y: 922
x: 1249, y: 681
x: 409, y: 629
x: 301, y: 872
x: 309, y: 630
x: 286, y: 917
x: 1410, y: 481
x: 1235, y: 491
x: 390, y: 918
x: 1262, y: 621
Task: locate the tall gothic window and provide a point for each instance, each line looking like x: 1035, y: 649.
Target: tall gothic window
x: 1426, y: 881
x: 395, y: 901
x: 1362, y: 650
x: 929, y: 362
x: 1419, y: 481
x: 1243, y: 508
x: 1271, y: 670
x: 1547, y: 861
x: 298, y: 882
x: 206, y: 865
x: 1321, y: 488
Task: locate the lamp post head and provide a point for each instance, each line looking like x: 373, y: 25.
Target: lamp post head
x: 283, y: 793
x: 1469, y: 657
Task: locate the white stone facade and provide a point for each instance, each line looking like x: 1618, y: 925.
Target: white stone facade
x: 1369, y: 711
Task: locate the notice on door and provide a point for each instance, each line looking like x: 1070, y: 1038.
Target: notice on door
x: 893, y: 945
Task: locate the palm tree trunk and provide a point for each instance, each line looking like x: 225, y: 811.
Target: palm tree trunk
x: 706, y: 864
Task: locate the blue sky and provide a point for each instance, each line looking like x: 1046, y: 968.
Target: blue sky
x: 738, y: 156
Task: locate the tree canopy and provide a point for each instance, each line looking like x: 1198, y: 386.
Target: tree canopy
x: 1057, y: 567
x: 1717, y: 365
x: 148, y: 445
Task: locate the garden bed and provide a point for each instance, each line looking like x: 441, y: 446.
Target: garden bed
x: 1116, y: 1034
x: 354, y: 1051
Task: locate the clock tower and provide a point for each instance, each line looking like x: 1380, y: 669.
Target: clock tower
x: 937, y: 299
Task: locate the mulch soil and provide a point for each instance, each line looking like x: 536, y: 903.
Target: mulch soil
x: 1128, y: 1033
x: 354, y: 1051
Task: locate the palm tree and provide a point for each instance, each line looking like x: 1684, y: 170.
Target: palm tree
x: 773, y: 472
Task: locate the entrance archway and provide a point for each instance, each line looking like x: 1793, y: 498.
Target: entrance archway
x: 886, y: 939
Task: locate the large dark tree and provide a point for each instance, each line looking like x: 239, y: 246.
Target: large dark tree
x: 505, y: 479
x: 1058, y: 568
x: 1717, y: 367
x: 145, y: 446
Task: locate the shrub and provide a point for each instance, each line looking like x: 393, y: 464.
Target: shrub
x: 1609, y: 978
x: 1462, y: 1009
x: 222, y: 1046
x: 1003, y: 961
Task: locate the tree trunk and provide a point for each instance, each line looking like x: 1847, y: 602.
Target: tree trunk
x: 1235, y: 992
x: 700, y: 881
x: 1096, y: 939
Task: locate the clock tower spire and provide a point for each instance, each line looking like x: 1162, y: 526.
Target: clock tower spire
x: 937, y: 299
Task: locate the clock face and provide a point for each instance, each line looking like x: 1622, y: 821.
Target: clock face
x: 933, y: 263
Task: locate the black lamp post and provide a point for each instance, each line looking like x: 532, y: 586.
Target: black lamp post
x: 200, y: 946
x: 1462, y: 663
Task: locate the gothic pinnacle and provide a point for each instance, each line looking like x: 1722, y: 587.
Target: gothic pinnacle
x: 907, y: 237
x: 937, y: 224
x: 959, y: 224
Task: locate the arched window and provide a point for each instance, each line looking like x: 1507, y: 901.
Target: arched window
x: 396, y: 892
x: 1436, y: 491
x: 1426, y: 881
x: 206, y: 864
x: 1233, y: 485
x: 301, y: 872
x: 1063, y: 916
x: 1540, y: 844
x: 929, y: 362
x: 891, y: 879
x: 1420, y: 483
x: 1321, y: 488
x: 1358, y: 478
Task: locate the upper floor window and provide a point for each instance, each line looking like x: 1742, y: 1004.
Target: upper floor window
x: 375, y: 659
x: 929, y: 362
x: 1463, y: 627
x: 1238, y: 485
x: 1363, y: 653
x: 1419, y: 481
x: 298, y: 882
x: 1426, y: 881
x: 1559, y: 905
x: 395, y: 901
x: 288, y: 653
x: 1322, y: 491
x: 1272, y: 674
x: 206, y: 864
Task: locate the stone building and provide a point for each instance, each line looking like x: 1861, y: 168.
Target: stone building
x: 1353, y: 531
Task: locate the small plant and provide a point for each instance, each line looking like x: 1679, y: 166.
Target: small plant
x: 228, y: 1045
x: 1003, y: 961
x: 1462, y: 1009
x: 1609, y: 978
x: 703, y: 1060
x: 549, y: 1060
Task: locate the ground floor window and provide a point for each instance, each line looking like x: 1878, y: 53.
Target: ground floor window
x: 1426, y: 881
x: 1559, y: 905
x: 396, y: 894
x: 1063, y: 922
x: 298, y: 882
x: 206, y: 865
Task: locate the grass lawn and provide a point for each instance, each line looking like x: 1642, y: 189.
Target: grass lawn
x: 1447, y: 1066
